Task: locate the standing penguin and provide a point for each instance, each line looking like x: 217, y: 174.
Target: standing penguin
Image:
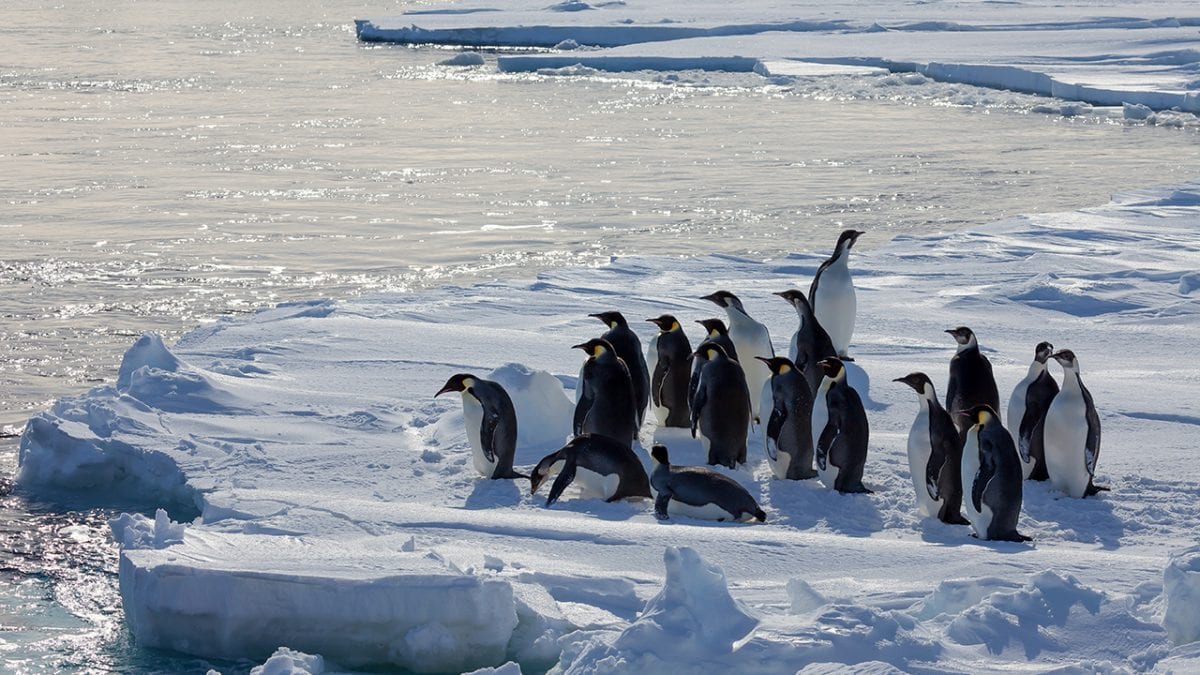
x: 715, y: 331
x: 991, y: 471
x: 810, y: 343
x: 789, y: 421
x: 934, y: 455
x: 628, y: 347
x: 839, y: 431
x: 697, y: 492
x: 971, y: 380
x: 1027, y: 408
x: 721, y: 408
x: 606, y: 404
x: 491, y: 424
x: 604, y: 468
x: 832, y: 294
x: 1072, y: 433
x: 670, y: 381
x: 751, y: 339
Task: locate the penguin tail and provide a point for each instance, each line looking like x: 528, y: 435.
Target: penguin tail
x: 760, y: 515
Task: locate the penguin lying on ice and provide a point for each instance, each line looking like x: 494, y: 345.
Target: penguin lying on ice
x: 604, y: 468
x: 698, y: 492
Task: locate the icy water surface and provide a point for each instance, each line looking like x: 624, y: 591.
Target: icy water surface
x: 166, y: 163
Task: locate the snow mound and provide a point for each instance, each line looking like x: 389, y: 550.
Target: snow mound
x: 290, y: 662
x: 135, y: 531
x: 1005, y: 616
x: 1181, y: 588
x: 463, y: 59
x: 510, y: 668
x: 804, y: 598
x: 544, y: 412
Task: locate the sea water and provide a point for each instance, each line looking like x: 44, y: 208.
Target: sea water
x: 167, y: 163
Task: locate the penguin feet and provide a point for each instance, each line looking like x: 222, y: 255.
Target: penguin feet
x: 661, y: 515
x: 1095, y: 490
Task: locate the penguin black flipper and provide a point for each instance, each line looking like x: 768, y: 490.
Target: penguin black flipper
x: 563, y: 480
x: 825, y: 443
x: 698, y: 403
x: 1092, y: 446
x: 660, y: 504
x: 586, y: 397
x: 779, y: 415
x: 1037, y: 450
x: 987, y: 471
x: 1038, y: 396
x: 945, y: 441
x: 933, y: 471
x: 658, y: 378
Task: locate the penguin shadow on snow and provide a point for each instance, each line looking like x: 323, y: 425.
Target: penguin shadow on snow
x: 806, y: 504
x: 858, y: 378
x: 1089, y: 520
x: 488, y: 493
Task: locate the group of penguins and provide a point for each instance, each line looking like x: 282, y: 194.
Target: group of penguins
x: 962, y: 459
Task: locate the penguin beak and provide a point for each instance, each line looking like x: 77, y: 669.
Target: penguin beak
x: 448, y: 388
x: 582, y: 346
x: 764, y: 359
x: 951, y: 331
x: 712, y: 297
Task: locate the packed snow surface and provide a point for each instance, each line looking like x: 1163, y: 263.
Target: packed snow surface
x: 1142, y: 53
x: 330, y: 506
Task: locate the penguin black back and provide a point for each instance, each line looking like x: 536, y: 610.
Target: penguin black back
x: 971, y: 380
x: 606, y: 402
x: 628, y: 347
x: 670, y: 383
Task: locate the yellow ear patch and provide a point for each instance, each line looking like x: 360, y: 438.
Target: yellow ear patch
x: 785, y: 368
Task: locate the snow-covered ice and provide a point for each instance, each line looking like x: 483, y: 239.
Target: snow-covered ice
x: 329, y: 505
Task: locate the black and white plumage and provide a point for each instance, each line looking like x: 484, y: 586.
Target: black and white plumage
x: 789, y: 422
x: 839, y: 431
x: 1027, y: 410
x: 810, y: 343
x: 698, y: 492
x: 971, y: 379
x: 751, y: 339
x: 606, y: 402
x: 991, y: 477
x: 714, y: 331
x: 721, y: 407
x: 832, y: 294
x: 604, y: 468
x: 628, y: 347
x: 668, y: 358
x: 1072, y: 433
x: 491, y: 423
x: 934, y: 455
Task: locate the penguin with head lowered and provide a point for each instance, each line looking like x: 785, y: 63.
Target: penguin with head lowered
x: 604, y: 468
x: 991, y: 476
x: 721, y: 407
x: 810, y: 343
x: 491, y: 424
x: 789, y: 421
x: 832, y: 294
x: 934, y: 455
x: 839, y: 431
x: 1027, y: 409
x: 606, y: 402
x: 698, y: 492
x: 971, y: 380
x: 714, y: 331
x: 751, y: 339
x: 1072, y: 433
x: 669, y: 360
x: 629, y: 349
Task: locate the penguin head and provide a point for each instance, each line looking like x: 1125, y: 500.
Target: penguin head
x: 713, y: 327
x: 1043, y: 352
x: 459, y: 382
x: 919, y: 381
x: 542, y: 471
x: 725, y: 299
x: 980, y: 414
x: 847, y: 238
x: 1066, y: 359
x: 666, y: 323
x: 594, y: 347
x: 796, y: 298
x: 710, y: 350
x: 964, y: 336
x: 833, y: 368
x: 611, y: 319
x: 658, y: 454
x: 778, y: 364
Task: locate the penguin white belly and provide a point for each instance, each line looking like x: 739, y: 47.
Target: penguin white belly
x: 1066, y: 442
x: 1016, y: 412
x: 794, y: 347
x: 766, y: 402
x: 750, y: 339
x: 660, y: 413
x: 835, y: 305
x: 473, y: 419
x: 594, y: 485
x: 778, y: 461
x: 980, y: 520
x: 709, y: 511
x: 919, y: 451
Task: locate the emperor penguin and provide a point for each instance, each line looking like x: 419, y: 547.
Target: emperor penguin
x: 971, y: 380
x: 1027, y: 409
x: 606, y: 403
x: 714, y: 331
x: 698, y: 492
x: 629, y: 349
x: 991, y: 470
x: 832, y: 294
x: 491, y: 424
x: 751, y: 339
x: 1072, y: 433
x: 604, y: 468
x: 668, y: 358
x: 839, y: 430
x: 810, y: 343
x: 934, y: 455
x: 721, y: 408
x: 789, y: 421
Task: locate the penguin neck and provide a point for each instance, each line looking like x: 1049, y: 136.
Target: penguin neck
x: 737, y: 316
x: 972, y: 343
x: 927, y: 397
x: 1035, y: 369
x: 1071, y: 380
x: 840, y: 258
